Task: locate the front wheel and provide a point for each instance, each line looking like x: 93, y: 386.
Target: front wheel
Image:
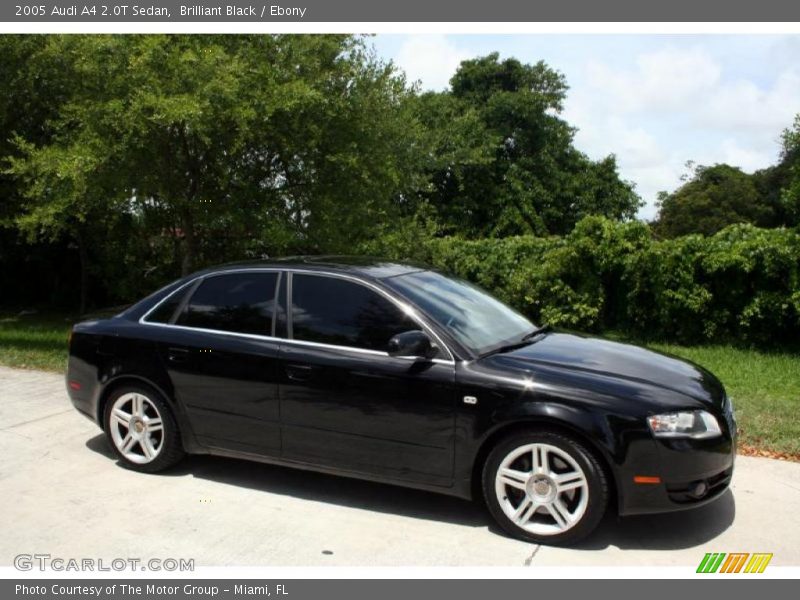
x: 142, y: 430
x: 544, y: 487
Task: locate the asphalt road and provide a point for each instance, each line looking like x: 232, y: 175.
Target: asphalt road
x: 64, y: 494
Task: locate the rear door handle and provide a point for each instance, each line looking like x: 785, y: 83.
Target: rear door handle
x: 298, y: 372
x: 178, y: 355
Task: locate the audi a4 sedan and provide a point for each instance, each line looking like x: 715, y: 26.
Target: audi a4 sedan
x: 401, y: 374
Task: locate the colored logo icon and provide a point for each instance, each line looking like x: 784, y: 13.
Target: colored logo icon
x: 734, y: 562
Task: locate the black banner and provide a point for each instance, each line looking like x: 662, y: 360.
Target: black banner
x: 407, y: 589
x: 406, y: 11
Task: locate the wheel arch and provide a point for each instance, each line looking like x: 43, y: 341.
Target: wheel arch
x: 543, y: 423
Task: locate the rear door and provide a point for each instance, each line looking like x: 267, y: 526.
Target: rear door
x: 346, y: 403
x: 223, y: 361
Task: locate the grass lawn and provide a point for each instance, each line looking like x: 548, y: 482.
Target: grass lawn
x: 765, y: 386
x: 34, y: 341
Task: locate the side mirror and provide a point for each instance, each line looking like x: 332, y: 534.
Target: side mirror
x: 412, y: 343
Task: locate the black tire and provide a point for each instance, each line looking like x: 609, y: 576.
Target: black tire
x: 170, y: 449
x: 596, y: 488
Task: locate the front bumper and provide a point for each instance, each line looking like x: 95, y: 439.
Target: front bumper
x: 692, y: 473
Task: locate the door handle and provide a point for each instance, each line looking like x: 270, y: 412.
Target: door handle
x: 297, y: 372
x: 178, y: 355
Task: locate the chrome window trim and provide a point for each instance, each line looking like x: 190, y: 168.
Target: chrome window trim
x: 405, y: 307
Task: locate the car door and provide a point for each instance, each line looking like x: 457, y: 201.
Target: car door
x: 223, y: 361
x: 347, y: 404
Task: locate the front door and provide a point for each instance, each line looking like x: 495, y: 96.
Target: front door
x: 347, y: 404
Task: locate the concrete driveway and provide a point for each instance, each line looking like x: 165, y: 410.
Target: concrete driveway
x: 64, y: 494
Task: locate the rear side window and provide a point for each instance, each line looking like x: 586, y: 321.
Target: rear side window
x: 238, y: 302
x: 335, y: 311
x: 166, y: 310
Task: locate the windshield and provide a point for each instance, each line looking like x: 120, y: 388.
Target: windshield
x: 478, y: 321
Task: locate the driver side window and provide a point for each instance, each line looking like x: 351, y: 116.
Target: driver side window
x: 330, y: 310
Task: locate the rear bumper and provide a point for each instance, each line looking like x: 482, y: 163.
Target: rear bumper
x: 82, y: 387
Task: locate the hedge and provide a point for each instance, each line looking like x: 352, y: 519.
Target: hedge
x: 740, y: 285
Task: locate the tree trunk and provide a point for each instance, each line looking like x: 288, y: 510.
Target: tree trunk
x: 189, y: 243
x: 83, y: 256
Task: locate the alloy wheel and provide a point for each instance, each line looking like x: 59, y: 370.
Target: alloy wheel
x: 542, y: 489
x: 137, y: 428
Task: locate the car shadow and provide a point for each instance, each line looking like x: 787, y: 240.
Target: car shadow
x: 666, y: 531
x: 671, y: 531
x: 310, y: 485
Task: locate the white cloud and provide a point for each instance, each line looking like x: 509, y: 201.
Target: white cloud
x: 599, y: 136
x: 662, y: 80
x: 430, y: 59
x: 670, y: 105
x: 746, y: 157
x: 744, y: 104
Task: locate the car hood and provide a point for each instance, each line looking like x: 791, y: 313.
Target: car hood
x: 596, y: 356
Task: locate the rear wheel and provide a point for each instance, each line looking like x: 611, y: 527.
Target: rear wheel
x: 544, y: 487
x: 142, y: 430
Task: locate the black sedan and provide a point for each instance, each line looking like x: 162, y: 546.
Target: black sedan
x: 401, y: 374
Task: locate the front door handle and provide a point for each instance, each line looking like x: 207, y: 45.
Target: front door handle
x: 299, y: 372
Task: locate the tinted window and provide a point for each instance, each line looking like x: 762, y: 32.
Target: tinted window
x: 476, y: 319
x: 343, y: 313
x: 240, y: 302
x: 164, y: 312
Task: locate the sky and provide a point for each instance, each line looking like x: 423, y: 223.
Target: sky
x: 655, y: 101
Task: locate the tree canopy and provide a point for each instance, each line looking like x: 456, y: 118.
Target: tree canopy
x: 142, y: 157
x: 504, y: 162
x: 271, y: 139
x: 713, y: 198
x: 789, y: 173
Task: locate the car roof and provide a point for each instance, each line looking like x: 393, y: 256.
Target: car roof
x: 365, y: 266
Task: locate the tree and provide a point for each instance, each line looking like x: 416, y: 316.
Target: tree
x: 711, y: 199
x: 790, y: 169
x: 503, y: 162
x: 227, y: 144
x: 35, y: 88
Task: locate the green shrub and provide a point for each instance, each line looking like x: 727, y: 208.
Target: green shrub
x: 741, y: 284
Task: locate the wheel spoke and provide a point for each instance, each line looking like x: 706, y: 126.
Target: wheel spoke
x: 127, y: 443
x: 524, y: 511
x: 540, y: 460
x: 147, y: 447
x: 514, y: 478
x: 560, y: 513
x: 154, y: 424
x: 137, y: 406
x: 569, y: 481
x: 122, y: 417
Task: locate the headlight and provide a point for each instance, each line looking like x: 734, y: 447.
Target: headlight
x: 696, y: 424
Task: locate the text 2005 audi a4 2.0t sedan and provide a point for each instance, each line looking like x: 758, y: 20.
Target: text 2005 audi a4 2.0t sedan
x: 404, y: 375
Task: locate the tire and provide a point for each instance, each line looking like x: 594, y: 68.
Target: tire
x: 141, y: 429
x: 559, y: 502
